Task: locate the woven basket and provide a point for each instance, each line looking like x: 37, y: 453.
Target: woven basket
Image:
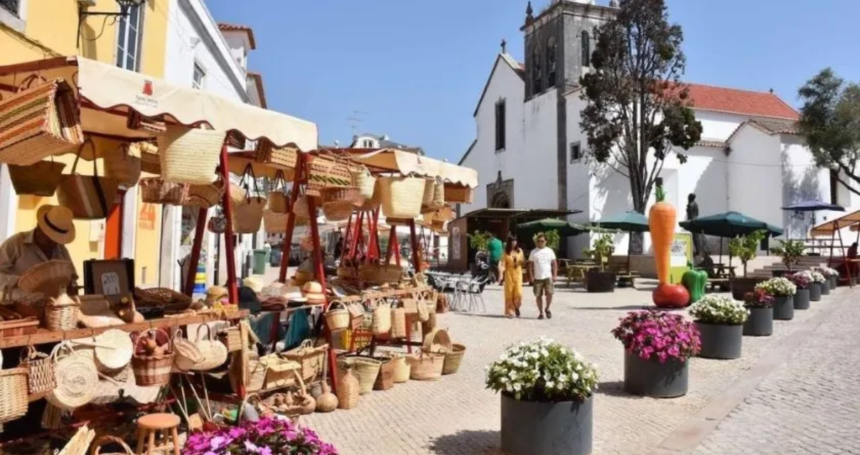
x: 105, y: 440
x: 401, y: 196
x: 437, y: 340
x: 13, y: 393
x: 348, y: 194
x: 380, y: 273
x: 309, y: 357
x: 187, y: 353
x: 154, y: 190
x: 367, y: 369
x: 248, y: 215
x: 76, y: 375
x: 348, y: 388
x: 114, y: 349
x: 189, y: 155
x: 459, y: 194
x: 205, y: 196
x: 279, y: 202
x: 89, y: 197
x: 453, y: 358
x: 279, y: 156
x: 152, y: 370
x: 337, y: 211
x: 47, y: 278
x: 385, y: 378
x: 275, y: 223
x: 337, y: 318
x: 123, y: 165
x: 382, y: 318
x: 425, y: 367
x: 40, y: 179
x: 214, y: 352
x: 40, y: 371
x: 364, y: 181
x: 398, y: 323
x: 231, y: 339
x: 62, y: 316
x: 300, y: 208
x: 434, y: 197
x: 401, y: 369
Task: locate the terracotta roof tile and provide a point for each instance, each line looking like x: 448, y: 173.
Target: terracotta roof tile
x: 743, y: 102
x: 239, y: 28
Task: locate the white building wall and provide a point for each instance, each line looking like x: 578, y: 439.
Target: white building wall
x: 717, y: 125
x: 536, y: 183
x: 802, y: 181
x: 755, y: 175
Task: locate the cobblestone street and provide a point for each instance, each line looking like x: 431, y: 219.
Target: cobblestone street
x: 456, y: 415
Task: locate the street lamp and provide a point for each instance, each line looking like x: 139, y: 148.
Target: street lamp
x: 124, y: 7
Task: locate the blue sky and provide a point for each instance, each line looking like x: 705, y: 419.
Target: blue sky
x: 414, y: 69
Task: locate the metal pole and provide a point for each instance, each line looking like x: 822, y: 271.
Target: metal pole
x: 195, y: 252
x: 286, y: 247
x: 416, y: 255
x: 232, y: 287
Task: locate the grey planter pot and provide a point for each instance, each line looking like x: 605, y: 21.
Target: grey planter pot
x: 535, y: 428
x: 783, y: 307
x: 651, y: 378
x: 814, y: 292
x: 742, y: 285
x: 801, y: 299
x: 760, y: 322
x: 721, y: 341
x: 825, y: 287
x: 834, y: 282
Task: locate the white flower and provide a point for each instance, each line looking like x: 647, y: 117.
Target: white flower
x: 517, y: 387
x: 550, y: 384
x: 574, y: 377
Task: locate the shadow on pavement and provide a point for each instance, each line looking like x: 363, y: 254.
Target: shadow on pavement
x: 479, y: 315
x: 614, y: 389
x: 467, y: 441
x: 625, y: 307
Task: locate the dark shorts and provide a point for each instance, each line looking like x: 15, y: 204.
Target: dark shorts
x: 544, y: 287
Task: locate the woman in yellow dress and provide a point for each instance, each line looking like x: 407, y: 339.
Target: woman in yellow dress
x: 512, y: 262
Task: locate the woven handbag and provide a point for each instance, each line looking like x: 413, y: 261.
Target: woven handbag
x: 364, y: 181
x: 278, y: 199
x: 205, y: 196
x: 187, y: 353
x: 382, y: 318
x: 214, y: 352
x: 327, y: 172
x: 401, y: 197
x: 39, y: 179
x: 39, y: 122
x: 40, y: 371
x: 77, y: 378
x: 276, y: 223
x: 248, y: 213
x: 123, y: 165
x: 154, y: 190
x: 190, y: 155
x: 13, y: 393
x: 88, y: 197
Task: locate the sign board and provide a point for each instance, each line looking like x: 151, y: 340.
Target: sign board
x: 681, y: 254
x: 455, y: 243
x: 146, y: 220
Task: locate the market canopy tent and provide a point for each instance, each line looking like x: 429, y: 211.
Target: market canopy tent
x: 729, y: 225
x: 814, y: 205
x: 564, y: 228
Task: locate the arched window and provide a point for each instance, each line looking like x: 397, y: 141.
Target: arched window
x: 537, y: 75
x: 586, y: 49
x: 550, y: 61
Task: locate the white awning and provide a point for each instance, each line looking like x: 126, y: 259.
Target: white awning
x: 408, y: 163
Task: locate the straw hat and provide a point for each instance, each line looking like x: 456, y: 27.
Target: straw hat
x: 313, y: 291
x: 57, y: 223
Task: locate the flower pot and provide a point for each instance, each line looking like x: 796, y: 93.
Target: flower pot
x: 759, y: 323
x: 834, y: 281
x: 651, y: 378
x: 802, y: 298
x: 741, y: 286
x: 536, y: 428
x: 597, y: 281
x: 814, y: 292
x: 720, y: 341
x: 783, y: 306
x: 825, y: 287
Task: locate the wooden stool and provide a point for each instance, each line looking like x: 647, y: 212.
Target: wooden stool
x: 149, y: 425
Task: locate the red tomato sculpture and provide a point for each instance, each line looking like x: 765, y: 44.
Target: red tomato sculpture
x: 671, y: 296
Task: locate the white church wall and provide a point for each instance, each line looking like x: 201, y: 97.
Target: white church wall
x: 755, y: 175
x: 802, y: 181
x: 717, y: 125
x: 537, y: 162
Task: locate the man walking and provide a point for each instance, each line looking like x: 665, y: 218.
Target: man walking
x: 543, y: 270
x: 495, y: 248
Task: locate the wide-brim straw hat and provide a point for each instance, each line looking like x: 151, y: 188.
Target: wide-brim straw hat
x: 315, y: 298
x: 312, y: 287
x: 57, y: 223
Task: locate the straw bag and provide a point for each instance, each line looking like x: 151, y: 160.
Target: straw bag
x: 434, y: 196
x: 401, y: 196
x: 300, y: 208
x: 356, y: 315
x: 88, y: 197
x: 278, y: 199
x: 231, y: 339
x: 105, y: 440
x: 267, y: 153
x: 275, y: 223
x: 401, y: 369
x: 61, y: 313
x: 13, y: 393
x: 347, y: 388
x: 39, y: 179
x: 367, y: 369
x: 214, y: 352
x: 437, y: 340
x: 123, y: 165
x: 114, y: 349
x: 279, y: 372
x: 385, y: 378
x: 309, y: 357
x: 190, y: 155
x: 382, y: 318
x: 453, y: 358
x: 152, y: 368
x: 76, y: 375
x: 248, y: 213
x: 364, y: 181
x: 205, y: 196
x: 426, y: 366
x: 40, y: 371
x: 337, y: 318
x: 459, y: 194
x: 154, y: 190
x: 398, y: 323
x: 187, y: 353
x: 380, y: 273
x: 327, y: 172
x: 38, y: 122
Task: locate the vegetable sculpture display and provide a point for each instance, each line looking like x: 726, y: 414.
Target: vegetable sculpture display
x: 661, y: 224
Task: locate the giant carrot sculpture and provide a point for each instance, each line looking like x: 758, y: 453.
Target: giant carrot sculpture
x: 661, y: 224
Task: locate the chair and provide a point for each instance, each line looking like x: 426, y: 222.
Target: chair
x: 147, y: 428
x: 474, y: 291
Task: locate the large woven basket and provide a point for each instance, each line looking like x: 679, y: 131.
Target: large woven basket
x: 123, y: 165
x: 154, y: 190
x: 367, y: 369
x: 437, y: 340
x: 401, y: 196
x: 214, y: 352
x: 205, y: 196
x: 337, y: 318
x: 453, y: 358
x: 189, y: 155
x: 364, y: 181
x: 459, y: 194
x: 337, y: 211
x: 385, y: 378
x: 382, y: 318
x: 300, y: 208
x: 380, y: 273
x: 77, y: 378
x: 279, y: 202
x: 13, y: 393
x: 426, y: 366
x: 40, y: 179
x: 40, y: 371
x: 275, y: 223
x: 152, y: 370
x: 309, y: 357
x: 401, y: 369
x: 248, y: 215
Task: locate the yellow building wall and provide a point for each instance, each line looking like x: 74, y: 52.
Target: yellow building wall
x: 51, y: 30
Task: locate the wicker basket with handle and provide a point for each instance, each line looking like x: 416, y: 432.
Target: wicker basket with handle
x: 77, y: 378
x: 105, y: 440
x: 154, y: 190
x: 382, y: 318
x: 231, y: 339
x: 401, y: 197
x: 214, y: 352
x: 385, y: 378
x: 401, y: 369
x: 278, y: 199
x: 40, y: 179
x: 187, y: 353
x: 398, y: 323
x: 437, y: 340
x: 152, y: 369
x: 13, y: 393
x: 426, y: 366
x: 367, y: 369
x: 40, y: 371
x: 61, y: 313
x: 205, y: 196
x: 453, y: 358
x: 309, y: 357
x: 337, y: 317
x: 89, y: 197
x: 459, y: 194
x: 189, y: 155
x: 123, y: 165
x: 364, y: 181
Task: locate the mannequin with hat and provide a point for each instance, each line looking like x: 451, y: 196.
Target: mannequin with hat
x: 54, y: 230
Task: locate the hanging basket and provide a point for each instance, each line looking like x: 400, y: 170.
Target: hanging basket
x: 188, y: 354
x: 301, y: 208
x: 364, y: 181
x: 275, y: 223
x: 248, y: 215
x: 123, y: 165
x: 40, y: 179
x: 459, y: 194
x: 88, y: 197
x: 380, y: 273
x: 154, y: 190
x: 398, y: 323
x: 279, y: 202
x: 13, y: 393
x: 40, y: 371
x: 231, y: 339
x: 401, y: 196
x: 214, y: 353
x: 337, y: 211
x: 205, y: 196
x: 337, y: 318
x: 189, y: 155
x: 382, y: 318
x: 114, y: 349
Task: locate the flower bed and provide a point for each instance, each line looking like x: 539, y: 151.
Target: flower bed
x: 715, y: 309
x: 777, y: 287
x: 658, y: 335
x: 268, y: 436
x: 759, y: 299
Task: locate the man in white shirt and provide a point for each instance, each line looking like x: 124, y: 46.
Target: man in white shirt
x: 543, y: 270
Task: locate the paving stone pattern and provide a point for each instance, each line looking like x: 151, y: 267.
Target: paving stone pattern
x: 457, y: 415
x: 809, y: 405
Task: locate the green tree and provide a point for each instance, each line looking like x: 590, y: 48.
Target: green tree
x: 553, y: 240
x: 638, y: 109
x: 479, y: 240
x: 830, y: 121
x: 745, y: 247
x: 790, y: 251
x: 601, y: 251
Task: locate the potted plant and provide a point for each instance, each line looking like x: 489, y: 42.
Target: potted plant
x: 657, y: 349
x: 600, y: 280
x: 832, y: 276
x: 760, y: 305
x: 803, y: 282
x: 827, y: 283
x: 720, y: 321
x: 783, y: 291
x: 745, y: 248
x: 816, y: 288
x: 790, y: 251
x: 265, y: 436
x: 547, y: 398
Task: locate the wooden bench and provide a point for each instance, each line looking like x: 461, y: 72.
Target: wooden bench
x: 721, y: 281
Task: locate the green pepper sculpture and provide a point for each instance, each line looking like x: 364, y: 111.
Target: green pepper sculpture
x: 696, y: 281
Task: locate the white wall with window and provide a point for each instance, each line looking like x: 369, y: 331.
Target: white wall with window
x: 13, y: 13
x: 128, y: 38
